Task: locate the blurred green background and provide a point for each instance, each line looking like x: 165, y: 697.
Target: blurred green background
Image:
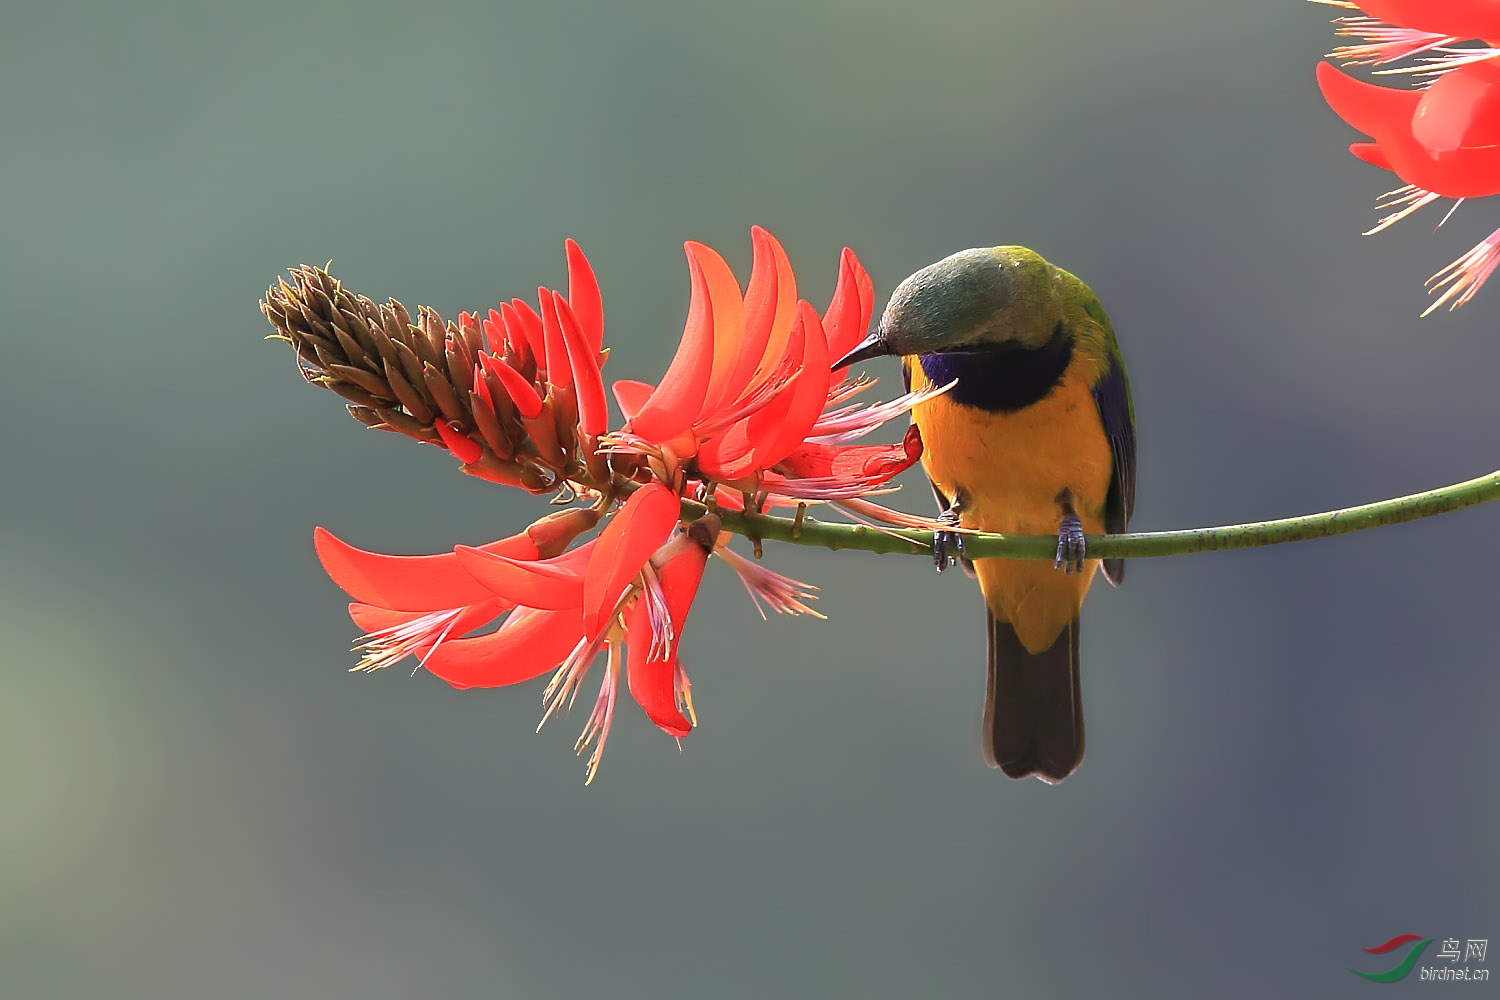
x: 1292, y: 751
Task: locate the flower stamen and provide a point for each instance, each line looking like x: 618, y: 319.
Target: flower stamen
x: 569, y: 675
x: 1451, y: 59
x: 853, y: 423
x: 1406, y: 200
x: 848, y: 389
x: 1465, y: 275
x: 656, y: 612
x: 827, y: 489
x: 597, y: 728
x: 383, y: 647
x: 684, y: 695
x: 784, y: 595
x: 1384, y: 43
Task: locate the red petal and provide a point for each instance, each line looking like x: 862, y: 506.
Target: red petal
x: 762, y: 427
x: 866, y: 290
x: 529, y: 643
x: 536, y: 584
x: 771, y: 311
x: 652, y: 682
x: 1457, y: 125
x: 523, y: 321
x: 520, y: 390
x: 729, y: 500
x: 622, y: 548
x: 731, y: 454
x: 1461, y: 110
x: 410, y: 583
x: 496, y: 336
x: 593, y: 412
x: 1445, y: 139
x: 1459, y: 18
x: 727, y: 318
x: 760, y: 305
x: 678, y: 397
x: 1370, y: 153
x: 679, y: 583
x: 481, y: 386
x: 559, y: 371
x: 844, y: 321
x: 465, y: 450
x: 1376, y: 111
x: 808, y: 395
x: 631, y: 396
x: 583, y: 296
x: 873, y: 461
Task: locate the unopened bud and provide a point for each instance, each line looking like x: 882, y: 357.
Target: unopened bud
x: 555, y: 532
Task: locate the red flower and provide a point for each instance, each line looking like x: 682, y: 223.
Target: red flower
x: 1443, y: 141
x: 561, y: 609
x: 750, y: 389
x: 749, y: 403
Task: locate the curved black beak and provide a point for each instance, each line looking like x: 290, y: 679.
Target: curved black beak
x: 873, y: 346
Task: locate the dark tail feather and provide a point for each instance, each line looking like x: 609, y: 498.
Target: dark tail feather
x: 1114, y: 571
x: 1033, y: 707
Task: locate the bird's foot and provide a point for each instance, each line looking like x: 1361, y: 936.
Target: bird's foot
x: 1070, y: 546
x: 947, y: 546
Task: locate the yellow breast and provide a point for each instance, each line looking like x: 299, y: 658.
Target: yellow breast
x: 1012, y: 468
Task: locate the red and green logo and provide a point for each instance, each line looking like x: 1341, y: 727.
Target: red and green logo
x: 1402, y: 967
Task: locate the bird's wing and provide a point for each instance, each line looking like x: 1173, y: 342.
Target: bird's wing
x: 1112, y: 396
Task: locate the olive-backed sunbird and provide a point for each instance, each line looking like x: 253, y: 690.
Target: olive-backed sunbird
x: 1036, y: 437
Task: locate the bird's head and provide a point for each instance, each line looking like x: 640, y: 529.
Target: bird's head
x: 988, y: 298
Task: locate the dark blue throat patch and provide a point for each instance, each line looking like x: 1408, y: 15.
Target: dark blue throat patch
x: 1004, y: 378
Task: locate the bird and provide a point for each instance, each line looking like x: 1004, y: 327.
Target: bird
x: 1036, y: 436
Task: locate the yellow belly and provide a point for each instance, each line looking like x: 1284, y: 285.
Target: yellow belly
x: 1012, y: 469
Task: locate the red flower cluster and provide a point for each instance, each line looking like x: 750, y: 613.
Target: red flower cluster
x: 749, y: 402
x: 1443, y: 139
x: 747, y: 414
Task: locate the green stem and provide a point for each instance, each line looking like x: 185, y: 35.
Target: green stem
x: 1129, y: 546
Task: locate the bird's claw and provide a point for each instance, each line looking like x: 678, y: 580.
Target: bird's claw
x: 947, y: 546
x: 1070, y: 545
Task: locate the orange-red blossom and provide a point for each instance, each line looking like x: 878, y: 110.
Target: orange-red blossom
x: 747, y: 411
x: 1442, y: 140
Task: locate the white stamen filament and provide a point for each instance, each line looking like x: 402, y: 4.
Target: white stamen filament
x: 565, y: 681
x: 684, y: 692
x: 1452, y: 59
x: 386, y: 646
x: 568, y: 676
x: 1384, y: 43
x: 625, y: 443
x: 657, y: 613
x: 828, y: 488
x: 1410, y: 198
x: 1457, y: 203
x: 762, y: 396
x: 855, y: 422
x: 1465, y: 275
x: 847, y: 389
x: 785, y: 595
x: 603, y: 715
